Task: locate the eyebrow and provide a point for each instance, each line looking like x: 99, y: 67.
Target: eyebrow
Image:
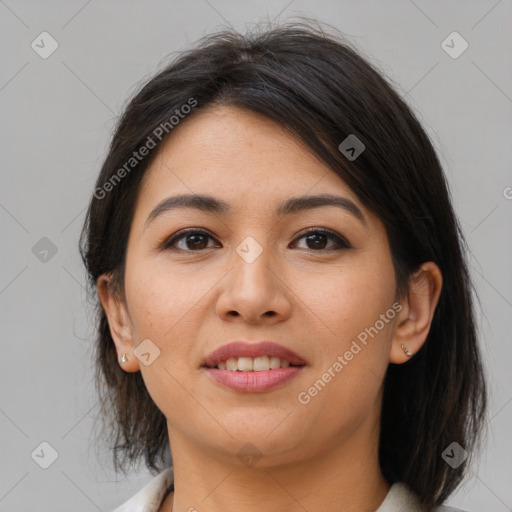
x: 293, y: 205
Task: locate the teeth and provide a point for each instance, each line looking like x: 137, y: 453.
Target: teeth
x: 232, y: 364
x: 261, y: 363
x: 257, y: 364
x: 275, y: 363
x: 245, y: 364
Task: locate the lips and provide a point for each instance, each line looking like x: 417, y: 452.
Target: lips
x: 257, y: 380
x: 238, y: 349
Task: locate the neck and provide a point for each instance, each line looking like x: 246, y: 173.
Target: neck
x: 343, y: 477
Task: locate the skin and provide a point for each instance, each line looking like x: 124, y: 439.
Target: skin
x: 322, y: 455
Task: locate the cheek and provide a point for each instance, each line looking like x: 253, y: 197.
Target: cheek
x: 341, y: 393
x: 160, y: 300
x: 348, y: 299
x: 162, y: 309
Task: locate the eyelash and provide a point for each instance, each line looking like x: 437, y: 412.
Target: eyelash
x: 340, y: 241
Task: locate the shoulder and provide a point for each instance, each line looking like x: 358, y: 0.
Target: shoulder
x: 149, y: 498
x: 400, y: 498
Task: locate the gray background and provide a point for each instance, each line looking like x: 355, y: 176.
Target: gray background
x: 57, y: 116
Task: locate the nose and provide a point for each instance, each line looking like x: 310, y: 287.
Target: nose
x: 255, y: 292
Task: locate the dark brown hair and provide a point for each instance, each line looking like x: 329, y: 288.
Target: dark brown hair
x: 313, y: 83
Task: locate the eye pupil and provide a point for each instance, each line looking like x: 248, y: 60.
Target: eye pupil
x: 198, y: 241
x: 319, y: 240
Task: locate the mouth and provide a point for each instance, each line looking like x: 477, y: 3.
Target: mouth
x: 256, y: 364
x: 253, y: 367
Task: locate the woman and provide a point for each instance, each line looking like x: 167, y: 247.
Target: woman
x: 285, y: 306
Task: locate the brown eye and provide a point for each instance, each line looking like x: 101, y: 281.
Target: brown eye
x: 318, y: 240
x: 189, y: 240
x: 196, y: 241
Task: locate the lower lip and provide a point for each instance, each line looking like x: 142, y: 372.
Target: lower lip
x: 254, y: 382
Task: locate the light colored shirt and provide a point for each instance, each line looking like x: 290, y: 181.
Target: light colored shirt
x: 149, y: 499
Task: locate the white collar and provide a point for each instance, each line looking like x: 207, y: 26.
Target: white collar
x: 150, y: 497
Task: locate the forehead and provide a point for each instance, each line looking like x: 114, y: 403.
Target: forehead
x: 237, y: 153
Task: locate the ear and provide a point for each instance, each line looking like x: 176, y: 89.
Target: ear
x: 119, y: 323
x: 418, y: 307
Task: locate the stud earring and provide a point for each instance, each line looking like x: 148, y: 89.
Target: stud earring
x: 123, y: 359
x: 406, y: 351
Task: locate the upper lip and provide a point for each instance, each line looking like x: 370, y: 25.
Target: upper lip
x: 238, y: 349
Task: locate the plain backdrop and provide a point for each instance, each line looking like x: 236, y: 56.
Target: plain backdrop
x: 57, y: 116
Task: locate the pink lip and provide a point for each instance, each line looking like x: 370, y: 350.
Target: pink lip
x: 253, y: 381
x: 238, y: 349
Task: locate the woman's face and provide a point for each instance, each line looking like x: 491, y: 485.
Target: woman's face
x: 254, y: 274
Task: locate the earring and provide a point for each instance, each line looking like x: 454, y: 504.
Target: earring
x: 406, y: 351
x: 123, y: 359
